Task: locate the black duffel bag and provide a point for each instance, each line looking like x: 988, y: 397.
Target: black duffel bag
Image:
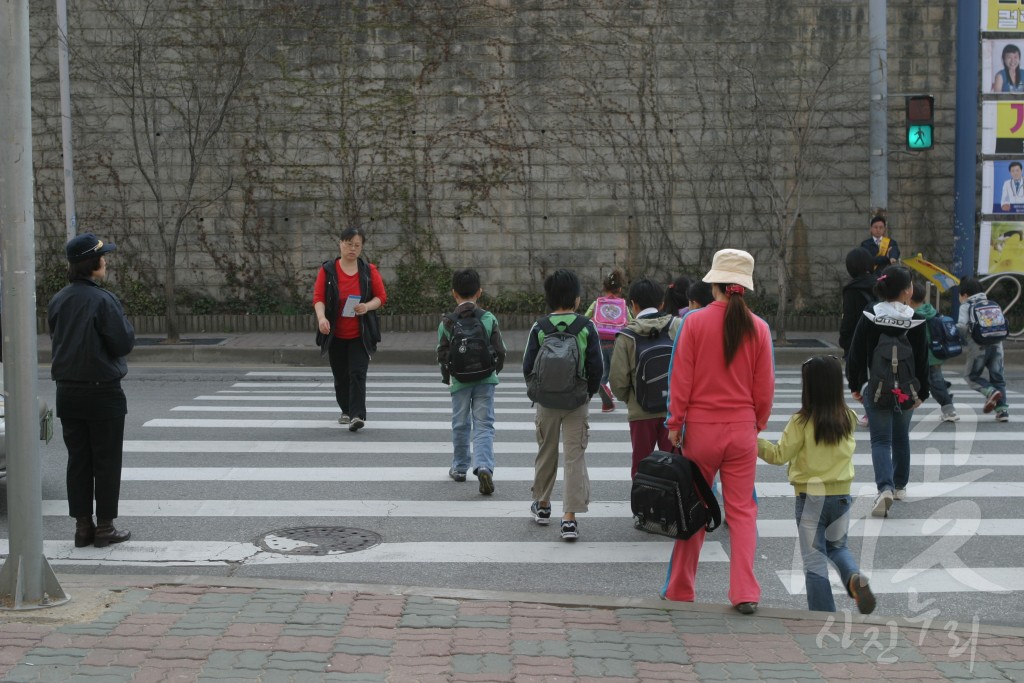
x: 671, y: 498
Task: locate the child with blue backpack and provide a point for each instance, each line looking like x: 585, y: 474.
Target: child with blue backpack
x: 936, y: 381
x: 983, y: 328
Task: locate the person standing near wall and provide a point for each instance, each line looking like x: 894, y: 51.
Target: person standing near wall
x: 91, y: 336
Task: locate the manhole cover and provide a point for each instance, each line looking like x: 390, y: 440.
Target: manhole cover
x: 318, y: 540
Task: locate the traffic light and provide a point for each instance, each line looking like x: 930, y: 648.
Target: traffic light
x: 920, y: 122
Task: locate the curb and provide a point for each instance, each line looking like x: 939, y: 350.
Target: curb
x: 114, y: 582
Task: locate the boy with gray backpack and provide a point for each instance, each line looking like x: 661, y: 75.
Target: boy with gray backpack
x: 563, y: 368
x: 983, y: 328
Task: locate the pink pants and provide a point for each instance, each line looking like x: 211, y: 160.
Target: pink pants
x: 646, y: 435
x: 729, y: 448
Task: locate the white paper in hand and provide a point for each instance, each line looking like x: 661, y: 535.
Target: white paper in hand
x: 349, y: 311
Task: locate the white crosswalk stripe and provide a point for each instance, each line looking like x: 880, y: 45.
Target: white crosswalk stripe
x: 954, y: 465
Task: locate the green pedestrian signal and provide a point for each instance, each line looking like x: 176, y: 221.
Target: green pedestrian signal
x: 920, y: 111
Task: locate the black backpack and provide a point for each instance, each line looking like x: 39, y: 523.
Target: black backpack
x: 470, y: 355
x: 892, y: 383
x: 557, y: 380
x: 670, y: 497
x: 653, y: 357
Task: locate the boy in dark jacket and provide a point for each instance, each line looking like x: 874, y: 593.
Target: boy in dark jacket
x: 857, y: 294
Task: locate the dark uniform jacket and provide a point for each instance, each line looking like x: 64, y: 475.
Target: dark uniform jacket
x: 91, y: 334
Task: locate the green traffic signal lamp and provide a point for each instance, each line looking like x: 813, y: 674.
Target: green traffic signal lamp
x: 920, y: 110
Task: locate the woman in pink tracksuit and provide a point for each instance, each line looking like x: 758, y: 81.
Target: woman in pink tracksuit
x: 720, y: 396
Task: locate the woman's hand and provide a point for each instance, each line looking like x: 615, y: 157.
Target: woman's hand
x: 324, y: 326
x: 856, y: 395
x: 673, y: 437
x: 360, y: 309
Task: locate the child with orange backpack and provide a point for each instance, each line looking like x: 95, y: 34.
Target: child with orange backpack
x: 610, y: 314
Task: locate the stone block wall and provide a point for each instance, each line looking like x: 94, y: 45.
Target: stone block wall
x: 517, y: 137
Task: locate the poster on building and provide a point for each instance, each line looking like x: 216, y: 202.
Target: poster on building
x: 1002, y: 186
x: 1001, y: 247
x: 1001, y: 68
x: 1002, y: 15
x: 1002, y: 127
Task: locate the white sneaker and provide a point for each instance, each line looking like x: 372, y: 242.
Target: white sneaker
x: 883, y: 501
x: 344, y: 420
x: 950, y: 417
x: 863, y: 421
x: 900, y: 494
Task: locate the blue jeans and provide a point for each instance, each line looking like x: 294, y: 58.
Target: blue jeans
x: 473, y: 415
x: 990, y: 358
x: 822, y: 523
x: 890, y: 445
x: 937, y: 386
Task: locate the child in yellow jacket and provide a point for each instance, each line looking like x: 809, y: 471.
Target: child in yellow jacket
x: 817, y: 445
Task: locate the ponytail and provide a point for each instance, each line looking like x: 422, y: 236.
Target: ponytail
x: 739, y: 322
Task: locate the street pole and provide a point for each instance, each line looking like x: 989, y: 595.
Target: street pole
x: 878, y: 133
x: 26, y: 579
x: 965, y: 171
x: 64, y: 70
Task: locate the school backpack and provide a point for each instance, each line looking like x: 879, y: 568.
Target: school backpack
x: 653, y: 357
x: 987, y: 323
x: 610, y: 316
x: 670, y: 497
x: 892, y: 383
x: 557, y: 379
x: 943, y: 337
x: 470, y: 355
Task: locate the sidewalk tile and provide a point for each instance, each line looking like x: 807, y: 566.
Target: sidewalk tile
x: 599, y: 667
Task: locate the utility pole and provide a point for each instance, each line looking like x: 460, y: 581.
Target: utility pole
x: 878, y: 134
x: 64, y: 70
x: 26, y: 579
x: 965, y: 158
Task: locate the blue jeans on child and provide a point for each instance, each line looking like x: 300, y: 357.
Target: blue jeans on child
x: 937, y: 386
x: 990, y: 358
x: 473, y: 416
x: 822, y: 523
x: 890, y: 445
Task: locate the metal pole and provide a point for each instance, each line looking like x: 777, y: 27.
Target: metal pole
x: 878, y: 134
x: 26, y: 580
x: 70, y: 216
x: 965, y: 201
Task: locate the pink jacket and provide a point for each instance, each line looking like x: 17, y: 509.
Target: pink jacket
x: 703, y: 389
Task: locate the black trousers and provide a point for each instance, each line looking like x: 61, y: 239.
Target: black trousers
x: 349, y: 363
x: 94, y: 465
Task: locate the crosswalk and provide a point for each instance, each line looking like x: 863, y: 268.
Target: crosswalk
x: 264, y: 452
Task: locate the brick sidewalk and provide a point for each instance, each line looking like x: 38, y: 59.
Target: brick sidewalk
x: 194, y: 630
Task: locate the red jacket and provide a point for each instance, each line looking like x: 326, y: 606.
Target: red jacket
x: 703, y: 389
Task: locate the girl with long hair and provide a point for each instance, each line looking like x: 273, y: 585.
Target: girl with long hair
x: 721, y: 387
x: 817, y: 446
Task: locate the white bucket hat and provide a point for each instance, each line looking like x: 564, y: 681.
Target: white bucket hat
x: 732, y: 266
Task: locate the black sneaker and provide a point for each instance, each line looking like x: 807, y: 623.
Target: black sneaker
x: 541, y: 515
x: 456, y: 475
x: 570, y: 530
x: 486, y: 482
x: 746, y: 607
x: 862, y: 595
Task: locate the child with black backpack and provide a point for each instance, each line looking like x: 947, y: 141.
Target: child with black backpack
x: 639, y: 372
x: 817, y: 447
x: 471, y: 353
x: 983, y: 328
x: 563, y: 366
x: 887, y: 369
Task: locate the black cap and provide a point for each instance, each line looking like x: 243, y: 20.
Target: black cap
x: 86, y: 246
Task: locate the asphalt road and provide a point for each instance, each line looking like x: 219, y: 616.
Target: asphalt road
x: 205, y: 446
